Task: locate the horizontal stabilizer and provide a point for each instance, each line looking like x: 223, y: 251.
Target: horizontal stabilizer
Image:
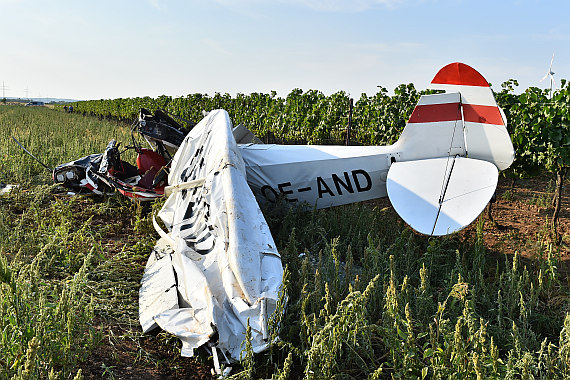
x: 442, y: 195
x: 242, y: 135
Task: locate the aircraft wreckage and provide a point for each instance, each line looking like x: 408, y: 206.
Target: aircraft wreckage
x: 216, y: 267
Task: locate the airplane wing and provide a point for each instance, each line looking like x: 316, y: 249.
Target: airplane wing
x: 216, y: 266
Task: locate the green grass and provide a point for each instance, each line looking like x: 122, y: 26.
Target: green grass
x: 508, y: 195
x: 366, y: 297
x: 70, y: 269
x: 52, y: 136
x: 52, y: 248
x: 397, y: 304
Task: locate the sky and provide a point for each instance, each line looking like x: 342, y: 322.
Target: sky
x: 108, y: 49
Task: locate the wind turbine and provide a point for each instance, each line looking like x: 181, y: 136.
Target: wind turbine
x: 550, y: 74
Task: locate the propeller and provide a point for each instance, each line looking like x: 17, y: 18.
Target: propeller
x: 550, y: 74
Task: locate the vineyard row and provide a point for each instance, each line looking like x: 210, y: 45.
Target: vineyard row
x: 538, y: 121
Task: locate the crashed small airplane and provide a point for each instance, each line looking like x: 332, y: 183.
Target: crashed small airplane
x: 216, y: 269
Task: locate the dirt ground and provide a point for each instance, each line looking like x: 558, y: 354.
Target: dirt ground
x: 122, y: 358
x: 521, y: 214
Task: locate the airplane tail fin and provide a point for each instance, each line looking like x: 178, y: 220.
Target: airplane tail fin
x: 485, y: 124
x: 464, y: 121
x: 450, y: 151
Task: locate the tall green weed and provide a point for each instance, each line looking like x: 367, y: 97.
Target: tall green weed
x: 368, y: 298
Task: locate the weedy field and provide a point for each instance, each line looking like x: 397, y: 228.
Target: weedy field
x: 366, y: 296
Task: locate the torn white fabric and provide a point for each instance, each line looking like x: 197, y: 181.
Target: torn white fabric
x: 225, y: 263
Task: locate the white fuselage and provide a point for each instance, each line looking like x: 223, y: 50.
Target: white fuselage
x: 325, y: 176
x: 319, y: 175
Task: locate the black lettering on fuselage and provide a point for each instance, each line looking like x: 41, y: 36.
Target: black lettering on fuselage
x: 366, y: 176
x: 346, y: 184
x: 323, y: 188
x: 282, y: 187
x: 267, y: 190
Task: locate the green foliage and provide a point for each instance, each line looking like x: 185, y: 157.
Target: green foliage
x: 404, y: 306
x: 539, y: 127
x: 53, y: 137
x: 57, y: 279
x: 540, y: 130
x: 54, y: 277
x: 307, y: 117
x: 45, y: 322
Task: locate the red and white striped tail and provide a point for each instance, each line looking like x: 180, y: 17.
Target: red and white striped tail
x: 450, y: 150
x: 464, y: 121
x: 479, y: 104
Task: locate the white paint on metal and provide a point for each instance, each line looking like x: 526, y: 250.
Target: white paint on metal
x: 469, y: 94
x: 445, y: 98
x: 490, y: 143
x: 442, y: 195
x: 226, y: 269
x: 183, y: 186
